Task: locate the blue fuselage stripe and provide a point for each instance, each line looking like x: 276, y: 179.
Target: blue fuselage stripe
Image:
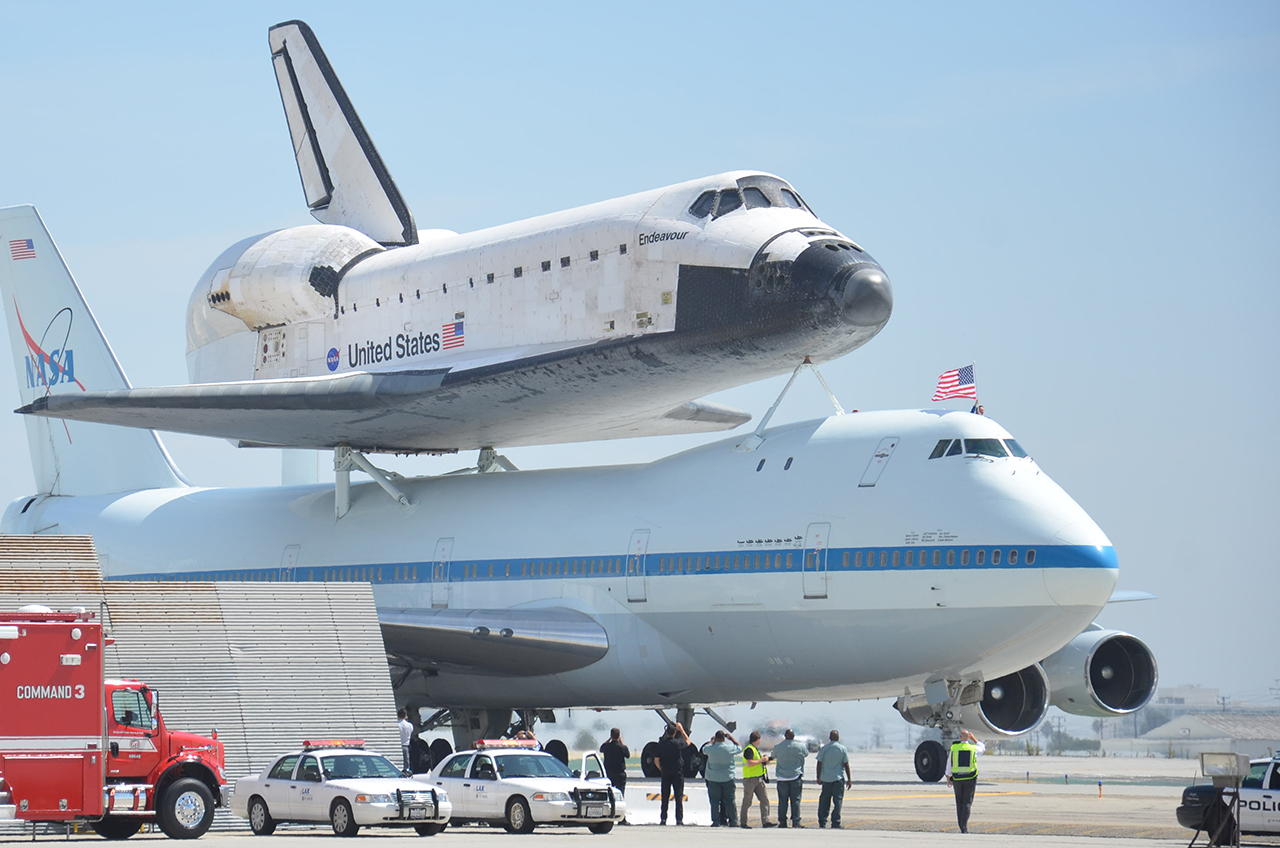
x: 660, y: 565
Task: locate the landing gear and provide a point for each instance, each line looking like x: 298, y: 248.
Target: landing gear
x: 931, y: 761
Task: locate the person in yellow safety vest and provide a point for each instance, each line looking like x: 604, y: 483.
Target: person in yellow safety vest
x: 753, y: 777
x: 962, y: 774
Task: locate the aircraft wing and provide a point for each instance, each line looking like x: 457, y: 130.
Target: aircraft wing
x: 518, y: 642
x: 606, y: 393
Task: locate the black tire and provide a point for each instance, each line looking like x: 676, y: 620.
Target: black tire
x: 931, y: 761
x: 601, y: 828
x: 557, y: 749
x: 260, y: 821
x: 440, y: 748
x: 647, y: 767
x: 430, y: 829
x: 117, y: 827
x: 519, y: 819
x: 185, y: 810
x: 342, y: 818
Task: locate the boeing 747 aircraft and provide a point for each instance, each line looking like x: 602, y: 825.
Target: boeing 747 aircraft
x: 921, y: 555
x: 610, y: 320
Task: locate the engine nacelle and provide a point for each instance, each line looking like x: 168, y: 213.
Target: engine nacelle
x: 1010, y: 705
x: 1102, y: 673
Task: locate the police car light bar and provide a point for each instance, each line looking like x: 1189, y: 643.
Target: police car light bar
x: 313, y: 744
x: 506, y: 743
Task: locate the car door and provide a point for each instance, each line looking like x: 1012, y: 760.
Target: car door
x: 484, y: 788
x: 275, y: 788
x: 1271, y: 800
x: 451, y: 778
x: 592, y: 767
x: 305, y: 801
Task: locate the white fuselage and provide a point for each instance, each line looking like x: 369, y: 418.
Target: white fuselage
x: 836, y: 561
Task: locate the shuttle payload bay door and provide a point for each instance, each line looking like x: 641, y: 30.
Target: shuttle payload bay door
x: 637, y: 554
x: 440, y: 573
x: 815, y: 560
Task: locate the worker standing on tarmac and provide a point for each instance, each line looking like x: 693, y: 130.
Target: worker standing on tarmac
x: 406, y: 734
x: 962, y: 774
x: 753, y: 782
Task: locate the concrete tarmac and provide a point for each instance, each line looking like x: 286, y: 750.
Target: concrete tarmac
x: 1045, y: 802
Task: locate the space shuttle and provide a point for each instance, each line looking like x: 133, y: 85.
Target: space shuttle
x: 366, y: 333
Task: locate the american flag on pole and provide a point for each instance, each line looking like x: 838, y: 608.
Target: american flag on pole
x: 451, y: 335
x: 956, y: 384
x: 22, y: 249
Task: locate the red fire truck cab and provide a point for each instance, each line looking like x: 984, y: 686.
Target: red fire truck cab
x: 77, y: 747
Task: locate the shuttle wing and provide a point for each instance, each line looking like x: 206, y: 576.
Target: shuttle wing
x: 343, y: 177
x: 524, y: 402
x: 518, y: 642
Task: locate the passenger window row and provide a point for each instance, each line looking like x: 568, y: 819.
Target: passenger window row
x: 978, y: 447
x: 517, y: 272
x: 737, y: 562
x: 935, y: 557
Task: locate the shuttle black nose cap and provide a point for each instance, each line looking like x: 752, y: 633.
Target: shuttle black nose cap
x: 868, y: 298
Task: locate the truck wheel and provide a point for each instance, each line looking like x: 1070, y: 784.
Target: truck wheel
x: 117, y: 827
x: 519, y: 820
x: 601, y: 828
x: 185, y: 810
x: 260, y: 821
x: 342, y: 819
x: 430, y: 829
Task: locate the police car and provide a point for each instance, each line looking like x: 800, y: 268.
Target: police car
x: 1259, y: 807
x: 510, y: 782
x: 337, y: 781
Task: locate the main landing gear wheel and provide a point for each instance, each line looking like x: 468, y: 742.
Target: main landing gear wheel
x: 931, y: 761
x: 518, y: 818
x: 342, y: 819
x: 186, y: 809
x: 260, y: 821
x: 117, y: 827
x: 430, y: 829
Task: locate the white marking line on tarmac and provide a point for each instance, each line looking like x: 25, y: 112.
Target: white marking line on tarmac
x: 906, y: 797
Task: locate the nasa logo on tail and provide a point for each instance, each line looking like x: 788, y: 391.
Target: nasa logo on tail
x: 332, y: 359
x: 46, y: 370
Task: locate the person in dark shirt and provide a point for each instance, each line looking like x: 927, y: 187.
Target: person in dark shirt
x: 615, y: 754
x: 670, y: 760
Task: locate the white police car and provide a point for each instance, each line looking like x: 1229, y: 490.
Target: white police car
x: 337, y: 781
x: 511, y: 783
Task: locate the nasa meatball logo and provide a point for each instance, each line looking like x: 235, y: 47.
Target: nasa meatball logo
x: 332, y: 359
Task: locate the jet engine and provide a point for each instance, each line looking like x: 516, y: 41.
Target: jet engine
x: 1102, y: 673
x: 1010, y: 705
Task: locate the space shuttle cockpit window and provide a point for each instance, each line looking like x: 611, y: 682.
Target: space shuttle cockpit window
x: 790, y: 198
x: 729, y: 201
x: 702, y: 207
x: 755, y: 198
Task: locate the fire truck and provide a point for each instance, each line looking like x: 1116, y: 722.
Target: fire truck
x: 77, y: 747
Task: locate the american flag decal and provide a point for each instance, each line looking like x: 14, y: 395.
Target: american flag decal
x: 22, y: 249
x: 956, y: 384
x: 451, y: 335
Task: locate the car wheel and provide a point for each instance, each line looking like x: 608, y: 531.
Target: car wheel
x: 186, y: 809
x: 260, y: 821
x: 601, y: 828
x: 342, y: 819
x: 931, y: 761
x: 519, y: 820
x: 430, y: 829
x: 116, y: 827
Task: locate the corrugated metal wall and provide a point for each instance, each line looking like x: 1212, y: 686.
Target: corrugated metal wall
x: 267, y: 664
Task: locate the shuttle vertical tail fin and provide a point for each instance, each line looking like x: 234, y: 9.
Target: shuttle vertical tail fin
x: 58, y: 348
x: 343, y: 177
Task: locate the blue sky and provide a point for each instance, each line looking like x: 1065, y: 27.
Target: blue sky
x: 1082, y: 198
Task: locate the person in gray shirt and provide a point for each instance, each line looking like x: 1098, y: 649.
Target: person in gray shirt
x: 831, y: 759
x: 788, y: 757
x: 722, y: 755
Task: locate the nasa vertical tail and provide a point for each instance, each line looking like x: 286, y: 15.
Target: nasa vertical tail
x: 58, y: 349
x: 343, y: 177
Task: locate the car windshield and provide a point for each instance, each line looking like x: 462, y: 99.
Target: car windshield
x: 345, y: 766
x: 532, y: 765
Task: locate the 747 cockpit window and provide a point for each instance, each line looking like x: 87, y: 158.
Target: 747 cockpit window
x: 1015, y: 448
x: 984, y: 447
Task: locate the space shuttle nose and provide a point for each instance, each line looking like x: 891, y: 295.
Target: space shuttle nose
x: 868, y: 298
